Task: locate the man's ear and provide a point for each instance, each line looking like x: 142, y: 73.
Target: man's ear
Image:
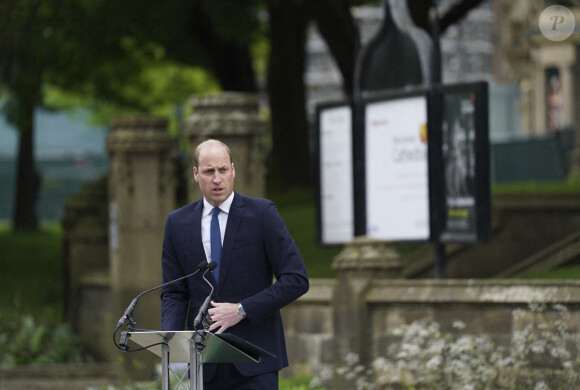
x: 233, y: 170
x: 195, y: 174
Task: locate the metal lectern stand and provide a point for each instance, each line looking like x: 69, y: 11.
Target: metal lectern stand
x: 196, y: 347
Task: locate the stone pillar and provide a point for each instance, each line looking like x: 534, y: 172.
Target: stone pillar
x: 361, y: 262
x: 141, y: 194
x: 86, y: 267
x: 231, y: 117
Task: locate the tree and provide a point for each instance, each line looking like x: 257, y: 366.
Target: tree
x: 21, y: 62
x: 80, y: 46
x: 97, y: 49
x: 286, y: 93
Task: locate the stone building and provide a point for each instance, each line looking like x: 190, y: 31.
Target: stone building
x: 544, y: 69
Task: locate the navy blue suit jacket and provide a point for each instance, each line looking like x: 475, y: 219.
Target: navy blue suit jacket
x: 257, y: 247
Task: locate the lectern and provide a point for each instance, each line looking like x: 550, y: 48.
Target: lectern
x: 196, y: 348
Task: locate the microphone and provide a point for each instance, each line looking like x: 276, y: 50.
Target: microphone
x: 129, y: 311
x: 202, y: 309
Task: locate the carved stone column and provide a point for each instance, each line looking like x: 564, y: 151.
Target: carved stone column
x: 141, y: 194
x: 232, y: 118
x: 361, y: 262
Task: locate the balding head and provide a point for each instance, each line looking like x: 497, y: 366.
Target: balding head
x: 210, y: 143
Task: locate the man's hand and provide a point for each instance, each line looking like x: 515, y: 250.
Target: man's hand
x: 223, y: 316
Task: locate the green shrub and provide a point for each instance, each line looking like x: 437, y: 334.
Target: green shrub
x: 24, y: 341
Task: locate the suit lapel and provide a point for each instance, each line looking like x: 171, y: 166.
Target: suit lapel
x: 193, y: 229
x: 234, y: 218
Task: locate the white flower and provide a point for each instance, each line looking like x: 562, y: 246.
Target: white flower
x: 459, y: 325
x: 541, y: 386
x: 351, y: 358
x: 560, y: 308
x: 434, y: 363
x: 538, y: 346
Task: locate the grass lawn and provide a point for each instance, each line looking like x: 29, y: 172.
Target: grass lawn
x: 571, y: 272
x: 31, y: 273
x: 299, y: 213
x: 548, y: 187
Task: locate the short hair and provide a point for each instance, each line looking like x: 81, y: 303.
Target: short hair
x: 197, y: 150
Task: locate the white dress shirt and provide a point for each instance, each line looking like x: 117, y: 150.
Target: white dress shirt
x: 206, y: 222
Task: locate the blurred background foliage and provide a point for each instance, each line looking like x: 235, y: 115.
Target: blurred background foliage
x: 150, y: 57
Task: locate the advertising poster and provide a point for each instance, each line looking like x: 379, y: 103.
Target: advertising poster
x: 459, y: 160
x: 397, y: 183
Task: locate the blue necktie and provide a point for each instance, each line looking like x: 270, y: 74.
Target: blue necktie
x: 216, y: 241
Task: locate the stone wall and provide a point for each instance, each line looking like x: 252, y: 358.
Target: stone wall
x: 309, y: 329
x: 496, y: 310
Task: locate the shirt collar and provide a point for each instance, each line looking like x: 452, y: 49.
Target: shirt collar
x: 225, y: 206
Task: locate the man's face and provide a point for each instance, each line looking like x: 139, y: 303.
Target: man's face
x: 215, y: 174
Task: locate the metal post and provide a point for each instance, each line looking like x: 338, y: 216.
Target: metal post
x: 193, y: 371
x: 165, y: 367
x: 196, y: 363
x: 439, y: 247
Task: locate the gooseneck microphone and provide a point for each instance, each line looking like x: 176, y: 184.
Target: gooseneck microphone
x: 203, y: 308
x: 129, y: 311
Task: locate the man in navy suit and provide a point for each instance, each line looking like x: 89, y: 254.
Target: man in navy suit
x: 256, y: 248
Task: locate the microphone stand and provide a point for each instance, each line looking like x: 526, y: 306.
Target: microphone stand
x: 219, y: 348
x: 197, y: 346
x: 203, y: 307
x: 128, y: 314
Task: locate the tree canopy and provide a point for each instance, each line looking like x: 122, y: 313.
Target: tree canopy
x: 140, y: 55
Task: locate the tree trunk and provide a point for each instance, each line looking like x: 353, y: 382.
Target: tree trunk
x: 336, y: 25
x: 25, y: 217
x: 290, y: 160
x: 230, y: 60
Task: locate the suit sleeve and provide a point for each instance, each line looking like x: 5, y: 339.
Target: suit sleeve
x: 287, y: 265
x: 175, y: 297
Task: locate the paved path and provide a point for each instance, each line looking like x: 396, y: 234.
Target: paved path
x: 59, y: 376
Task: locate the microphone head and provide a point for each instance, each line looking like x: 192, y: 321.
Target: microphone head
x: 202, y: 265
x: 212, y: 265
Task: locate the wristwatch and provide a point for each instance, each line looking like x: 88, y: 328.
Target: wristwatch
x: 241, y: 310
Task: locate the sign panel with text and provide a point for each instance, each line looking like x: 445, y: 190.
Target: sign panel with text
x: 396, y: 168
x: 334, y: 173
